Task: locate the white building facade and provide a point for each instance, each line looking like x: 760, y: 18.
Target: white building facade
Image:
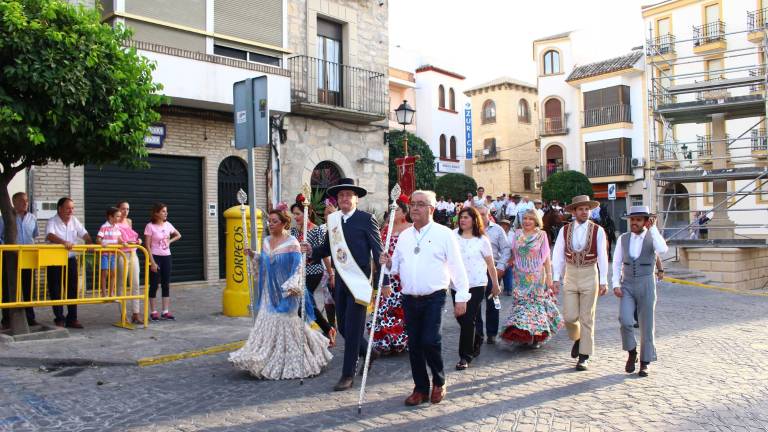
x: 592, y: 118
x: 440, y: 117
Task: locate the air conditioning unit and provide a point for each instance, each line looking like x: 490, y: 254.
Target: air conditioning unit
x: 638, y: 162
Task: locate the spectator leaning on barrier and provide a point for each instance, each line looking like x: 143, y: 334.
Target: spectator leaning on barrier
x: 26, y: 225
x: 131, y: 263
x: 65, y: 229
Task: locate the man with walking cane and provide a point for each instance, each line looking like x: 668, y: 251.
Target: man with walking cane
x: 353, y: 241
x: 427, y: 258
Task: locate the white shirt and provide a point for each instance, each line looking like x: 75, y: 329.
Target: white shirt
x: 345, y: 216
x: 70, y: 232
x: 635, y: 247
x: 578, y: 242
x: 511, y: 209
x: 437, y: 264
x: 473, y: 253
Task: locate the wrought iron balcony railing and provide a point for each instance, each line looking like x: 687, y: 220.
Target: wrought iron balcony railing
x: 664, y: 44
x: 332, y: 85
x: 757, y: 20
x: 708, y: 33
x: 606, y: 115
x: 608, y: 167
x: 704, y: 145
x: 759, y: 140
x: 549, y: 126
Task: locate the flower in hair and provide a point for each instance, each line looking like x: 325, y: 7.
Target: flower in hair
x: 300, y: 199
x: 403, y: 198
x: 281, y: 206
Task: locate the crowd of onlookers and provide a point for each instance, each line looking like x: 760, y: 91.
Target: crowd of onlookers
x: 115, y: 234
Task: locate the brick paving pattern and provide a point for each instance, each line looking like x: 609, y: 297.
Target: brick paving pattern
x: 712, y: 375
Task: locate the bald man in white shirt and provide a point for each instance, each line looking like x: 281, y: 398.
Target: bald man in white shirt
x: 428, y: 259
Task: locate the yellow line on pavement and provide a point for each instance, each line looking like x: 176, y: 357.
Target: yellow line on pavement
x: 156, y: 360
x: 713, y: 287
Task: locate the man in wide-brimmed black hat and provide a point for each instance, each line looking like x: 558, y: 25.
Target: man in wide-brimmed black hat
x: 352, y: 241
x: 634, y: 282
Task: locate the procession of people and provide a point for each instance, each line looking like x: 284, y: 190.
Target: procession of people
x: 421, y: 262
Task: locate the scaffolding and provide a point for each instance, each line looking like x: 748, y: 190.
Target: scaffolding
x: 703, y: 81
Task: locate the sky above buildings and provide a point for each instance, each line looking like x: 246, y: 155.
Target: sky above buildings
x: 485, y: 39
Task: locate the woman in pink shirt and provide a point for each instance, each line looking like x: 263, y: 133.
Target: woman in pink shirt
x: 131, y: 265
x: 158, y: 235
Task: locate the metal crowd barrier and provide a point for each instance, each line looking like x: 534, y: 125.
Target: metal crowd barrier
x: 91, y: 277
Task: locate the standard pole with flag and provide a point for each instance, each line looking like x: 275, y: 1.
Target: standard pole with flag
x: 393, y: 196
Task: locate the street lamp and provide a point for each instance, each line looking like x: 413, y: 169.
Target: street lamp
x: 537, y: 176
x: 404, y: 114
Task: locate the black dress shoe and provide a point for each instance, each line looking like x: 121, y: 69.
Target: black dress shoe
x: 478, y: 346
x: 345, y: 383
x: 575, y: 349
x: 631, y: 360
x: 491, y: 340
x: 643, y: 369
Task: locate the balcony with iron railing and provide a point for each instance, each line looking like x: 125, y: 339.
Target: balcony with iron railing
x: 703, y: 153
x: 551, y: 126
x: 759, y: 143
x: 708, y: 36
x: 757, y: 21
x: 332, y: 90
x: 598, y: 116
x: 660, y: 45
x: 608, y: 167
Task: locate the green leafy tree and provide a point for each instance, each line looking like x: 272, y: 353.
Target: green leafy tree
x: 455, y: 186
x: 425, y: 166
x: 565, y: 185
x: 70, y: 92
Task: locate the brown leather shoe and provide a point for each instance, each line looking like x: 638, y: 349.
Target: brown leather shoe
x: 416, y: 398
x: 438, y: 393
x: 631, y: 360
x: 74, y: 324
x: 345, y: 383
x: 59, y: 322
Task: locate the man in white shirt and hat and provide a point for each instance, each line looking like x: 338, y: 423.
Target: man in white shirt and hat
x: 581, y: 252
x: 428, y: 259
x: 634, y: 282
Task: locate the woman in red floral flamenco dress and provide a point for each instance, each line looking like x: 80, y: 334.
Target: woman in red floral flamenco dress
x: 389, y: 336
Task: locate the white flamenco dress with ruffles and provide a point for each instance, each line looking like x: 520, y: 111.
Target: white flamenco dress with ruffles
x: 282, y: 345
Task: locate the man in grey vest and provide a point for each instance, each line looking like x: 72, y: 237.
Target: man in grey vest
x: 634, y: 282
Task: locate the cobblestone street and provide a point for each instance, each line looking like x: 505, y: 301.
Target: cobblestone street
x: 711, y: 376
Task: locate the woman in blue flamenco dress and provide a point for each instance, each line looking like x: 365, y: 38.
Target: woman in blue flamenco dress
x: 282, y: 344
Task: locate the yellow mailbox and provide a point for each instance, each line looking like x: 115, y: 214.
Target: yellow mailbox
x: 236, y: 297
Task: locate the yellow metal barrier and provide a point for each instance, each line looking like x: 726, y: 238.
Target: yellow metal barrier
x: 97, y: 276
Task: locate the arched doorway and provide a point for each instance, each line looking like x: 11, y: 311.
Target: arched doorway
x: 324, y: 175
x: 233, y: 176
x: 554, y: 162
x: 676, y: 203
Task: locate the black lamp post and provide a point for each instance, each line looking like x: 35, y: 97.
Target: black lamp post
x: 404, y: 114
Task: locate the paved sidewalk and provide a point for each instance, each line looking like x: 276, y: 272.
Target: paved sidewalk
x: 711, y: 376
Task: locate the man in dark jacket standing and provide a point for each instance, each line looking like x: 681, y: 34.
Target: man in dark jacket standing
x: 353, y: 242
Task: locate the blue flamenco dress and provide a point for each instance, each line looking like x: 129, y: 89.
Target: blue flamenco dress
x: 282, y: 345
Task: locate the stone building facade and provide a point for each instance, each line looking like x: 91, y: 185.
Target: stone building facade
x: 506, y: 158
x: 338, y: 129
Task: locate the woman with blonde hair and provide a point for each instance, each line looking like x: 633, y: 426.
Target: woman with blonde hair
x: 535, y: 317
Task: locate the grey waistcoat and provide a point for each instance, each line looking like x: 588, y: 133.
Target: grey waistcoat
x: 642, y: 266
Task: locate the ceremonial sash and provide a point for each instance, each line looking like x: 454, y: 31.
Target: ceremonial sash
x: 346, y: 266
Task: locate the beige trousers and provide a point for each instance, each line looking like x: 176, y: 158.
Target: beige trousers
x: 579, y: 302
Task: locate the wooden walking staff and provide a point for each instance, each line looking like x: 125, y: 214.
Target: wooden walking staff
x: 306, y: 191
x: 242, y: 198
x: 393, y: 195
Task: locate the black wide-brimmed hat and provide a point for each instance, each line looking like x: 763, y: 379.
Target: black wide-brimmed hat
x: 346, y: 184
